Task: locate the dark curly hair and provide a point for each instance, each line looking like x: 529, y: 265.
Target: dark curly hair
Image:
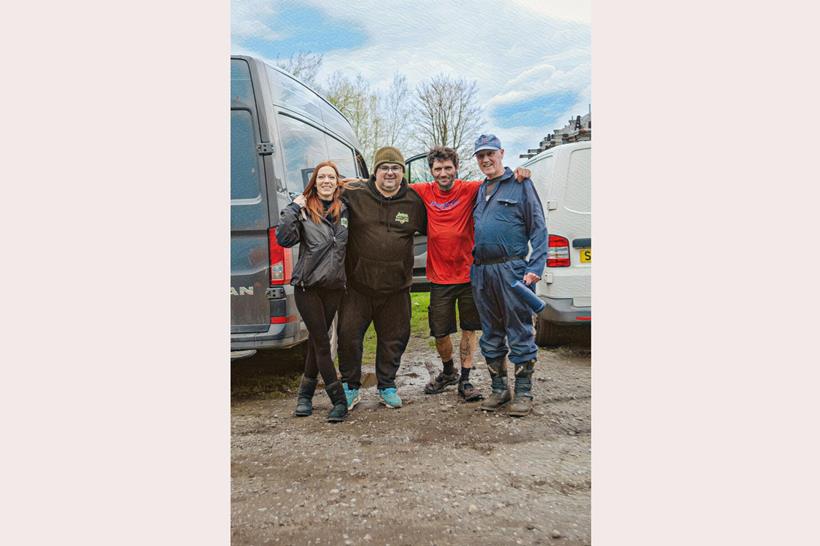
x: 442, y: 153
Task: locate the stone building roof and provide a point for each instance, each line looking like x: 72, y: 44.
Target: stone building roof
x: 576, y: 130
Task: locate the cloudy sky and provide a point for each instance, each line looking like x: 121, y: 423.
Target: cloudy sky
x: 531, y: 58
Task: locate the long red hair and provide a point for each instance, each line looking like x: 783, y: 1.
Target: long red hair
x: 312, y: 202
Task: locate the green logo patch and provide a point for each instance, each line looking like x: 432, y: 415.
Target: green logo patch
x: 402, y: 218
x: 343, y: 221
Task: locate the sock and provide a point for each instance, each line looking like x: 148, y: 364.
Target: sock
x: 465, y: 374
x: 448, y: 367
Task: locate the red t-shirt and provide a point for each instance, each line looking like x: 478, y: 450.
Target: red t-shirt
x: 450, y: 232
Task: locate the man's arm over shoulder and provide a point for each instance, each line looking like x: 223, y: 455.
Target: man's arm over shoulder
x: 350, y: 186
x: 421, y: 225
x: 536, y: 228
x: 472, y: 187
x: 423, y: 190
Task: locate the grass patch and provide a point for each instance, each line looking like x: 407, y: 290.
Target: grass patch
x: 419, y: 301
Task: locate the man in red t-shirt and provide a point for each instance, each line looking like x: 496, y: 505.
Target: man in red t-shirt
x: 449, y: 203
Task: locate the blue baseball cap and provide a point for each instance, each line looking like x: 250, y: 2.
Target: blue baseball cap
x: 487, y: 142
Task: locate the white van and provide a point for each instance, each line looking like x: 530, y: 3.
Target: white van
x: 562, y: 177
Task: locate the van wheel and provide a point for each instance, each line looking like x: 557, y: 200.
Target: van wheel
x: 547, y: 334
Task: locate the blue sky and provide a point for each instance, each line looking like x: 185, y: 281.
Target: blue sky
x: 531, y: 59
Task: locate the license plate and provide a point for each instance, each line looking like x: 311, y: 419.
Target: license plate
x: 586, y: 255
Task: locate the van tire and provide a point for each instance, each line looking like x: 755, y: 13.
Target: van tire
x: 547, y: 334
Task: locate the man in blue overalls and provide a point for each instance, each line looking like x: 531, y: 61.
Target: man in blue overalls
x: 508, y: 216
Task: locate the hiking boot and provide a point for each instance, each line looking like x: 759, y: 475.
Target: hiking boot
x: 521, y: 406
x: 336, y: 393
x: 304, y: 399
x: 496, y: 400
x: 390, y: 398
x: 501, y: 395
x: 440, y: 382
x: 353, y: 396
x: 468, y: 393
x: 523, y: 377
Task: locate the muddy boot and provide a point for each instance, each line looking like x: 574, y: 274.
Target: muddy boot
x: 337, y: 397
x: 304, y: 399
x: 500, y: 395
x: 468, y: 392
x: 522, y: 405
x: 440, y: 382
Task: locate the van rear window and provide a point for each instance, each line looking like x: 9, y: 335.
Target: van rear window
x: 244, y: 165
x: 241, y: 90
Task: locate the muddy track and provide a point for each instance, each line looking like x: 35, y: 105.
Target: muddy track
x: 436, y: 471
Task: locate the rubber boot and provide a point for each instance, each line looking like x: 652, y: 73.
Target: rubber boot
x: 337, y: 397
x: 500, y: 395
x: 522, y: 405
x: 304, y: 399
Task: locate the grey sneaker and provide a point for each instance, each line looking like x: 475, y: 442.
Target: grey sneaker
x: 440, y: 382
x: 468, y: 393
x: 496, y: 400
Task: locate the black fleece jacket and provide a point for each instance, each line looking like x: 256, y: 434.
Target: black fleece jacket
x: 380, y: 246
x: 322, y: 247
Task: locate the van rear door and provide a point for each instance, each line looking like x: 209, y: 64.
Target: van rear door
x: 577, y: 206
x: 250, y: 261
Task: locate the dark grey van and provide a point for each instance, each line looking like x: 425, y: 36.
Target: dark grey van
x: 280, y: 129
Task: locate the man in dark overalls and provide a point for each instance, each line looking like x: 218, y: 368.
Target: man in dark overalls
x: 508, y: 217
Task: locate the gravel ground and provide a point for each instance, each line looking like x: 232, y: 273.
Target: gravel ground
x: 437, y: 471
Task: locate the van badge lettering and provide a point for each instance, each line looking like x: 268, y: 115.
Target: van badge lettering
x: 243, y: 291
x: 402, y: 218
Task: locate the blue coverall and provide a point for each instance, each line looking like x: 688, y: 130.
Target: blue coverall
x: 504, y: 225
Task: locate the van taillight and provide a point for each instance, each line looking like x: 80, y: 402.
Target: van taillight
x: 558, y: 252
x: 281, y: 260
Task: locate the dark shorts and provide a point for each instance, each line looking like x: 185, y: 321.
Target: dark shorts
x: 442, y: 311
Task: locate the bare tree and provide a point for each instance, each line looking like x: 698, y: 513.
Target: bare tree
x: 397, y: 110
x: 378, y: 118
x: 360, y: 106
x: 448, y: 114
x: 304, y: 65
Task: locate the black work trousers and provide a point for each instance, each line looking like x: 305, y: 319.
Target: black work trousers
x: 390, y: 315
x: 317, y: 307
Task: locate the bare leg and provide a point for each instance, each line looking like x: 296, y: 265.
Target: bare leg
x: 444, y: 346
x: 467, y: 348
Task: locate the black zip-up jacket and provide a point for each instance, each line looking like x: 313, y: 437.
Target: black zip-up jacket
x: 380, y: 253
x: 322, y: 250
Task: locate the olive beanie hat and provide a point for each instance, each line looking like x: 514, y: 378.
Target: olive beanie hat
x: 388, y: 154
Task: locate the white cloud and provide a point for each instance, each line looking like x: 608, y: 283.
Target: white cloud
x: 570, y: 10
x: 255, y: 29
x: 481, y: 40
x: 249, y: 19
x: 539, y: 81
x: 516, y: 50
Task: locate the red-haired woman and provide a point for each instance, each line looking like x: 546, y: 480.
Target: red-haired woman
x: 318, y: 220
